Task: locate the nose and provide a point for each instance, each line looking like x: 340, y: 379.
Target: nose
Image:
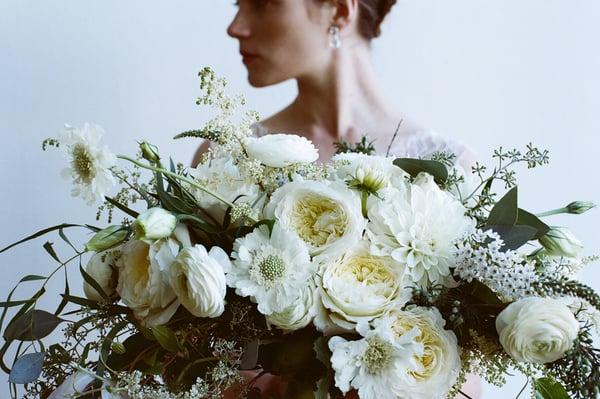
x: 238, y: 28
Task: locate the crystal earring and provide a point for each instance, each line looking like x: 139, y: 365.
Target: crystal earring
x: 335, y: 41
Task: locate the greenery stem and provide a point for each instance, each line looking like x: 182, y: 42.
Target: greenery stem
x: 553, y: 212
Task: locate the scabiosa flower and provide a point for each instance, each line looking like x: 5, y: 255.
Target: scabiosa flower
x: 418, y: 227
x: 377, y: 365
x: 271, y: 270
x: 480, y: 257
x: 89, y: 164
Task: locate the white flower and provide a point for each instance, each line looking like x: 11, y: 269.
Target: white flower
x: 439, y: 364
x: 89, y: 163
x: 281, y: 150
x: 144, y: 277
x: 271, y: 270
x: 371, y: 171
x: 72, y: 385
x: 377, y: 365
x: 198, y: 278
x: 222, y: 176
x: 154, y: 224
x: 419, y: 228
x: 102, y: 268
x: 559, y: 241
x: 299, y: 313
x: 360, y: 286
x: 537, y: 330
x: 326, y: 216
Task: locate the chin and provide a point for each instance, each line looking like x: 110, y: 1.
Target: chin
x: 262, y: 79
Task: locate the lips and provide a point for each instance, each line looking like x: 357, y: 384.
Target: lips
x: 248, y: 57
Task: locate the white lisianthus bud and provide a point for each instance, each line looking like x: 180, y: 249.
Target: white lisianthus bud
x: 579, y: 207
x: 154, y: 224
x: 102, y: 269
x: 198, y: 279
x: 281, y: 150
x: 537, y: 330
x: 559, y: 241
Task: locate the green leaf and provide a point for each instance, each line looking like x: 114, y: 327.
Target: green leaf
x: 514, y: 236
x: 547, y: 388
x: 166, y: 338
x: 107, y: 238
x: 48, y: 247
x: 42, y: 232
x: 525, y: 218
x: 27, y: 368
x: 32, y: 326
x: 414, y: 166
x: 106, y: 345
x: 90, y: 280
x: 122, y: 207
x: 505, y: 212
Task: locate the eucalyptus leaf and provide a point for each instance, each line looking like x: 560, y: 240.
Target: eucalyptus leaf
x: 547, y: 388
x: 27, y: 368
x: 122, y: 207
x: 32, y: 326
x: 166, y: 338
x: 529, y: 219
x: 414, y: 166
x: 107, y: 238
x: 514, y: 237
x: 42, y: 232
x: 506, y: 211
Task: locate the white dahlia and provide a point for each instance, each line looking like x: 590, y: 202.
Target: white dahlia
x: 270, y: 270
x: 359, y: 287
x: 326, y: 216
x: 418, y: 229
x: 89, y: 163
x: 377, y: 365
x: 439, y: 363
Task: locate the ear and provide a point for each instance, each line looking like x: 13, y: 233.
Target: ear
x: 345, y: 11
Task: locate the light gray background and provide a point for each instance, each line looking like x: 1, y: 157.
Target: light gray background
x: 488, y: 73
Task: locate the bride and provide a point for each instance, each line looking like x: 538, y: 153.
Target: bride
x: 325, y: 46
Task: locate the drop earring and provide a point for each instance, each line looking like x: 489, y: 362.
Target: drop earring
x: 335, y: 41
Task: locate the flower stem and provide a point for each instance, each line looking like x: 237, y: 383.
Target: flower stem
x: 363, y: 201
x: 553, y: 212
x: 176, y: 176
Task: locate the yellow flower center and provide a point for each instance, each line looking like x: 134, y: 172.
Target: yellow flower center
x: 318, y: 220
x: 82, y: 164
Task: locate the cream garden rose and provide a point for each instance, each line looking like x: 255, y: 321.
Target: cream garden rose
x: 144, y: 280
x: 281, y: 150
x: 326, y: 216
x: 198, y: 278
x: 537, y: 330
x: 360, y: 286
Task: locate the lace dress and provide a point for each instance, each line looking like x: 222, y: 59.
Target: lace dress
x: 421, y: 143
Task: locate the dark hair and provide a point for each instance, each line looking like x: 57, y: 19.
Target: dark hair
x: 371, y: 14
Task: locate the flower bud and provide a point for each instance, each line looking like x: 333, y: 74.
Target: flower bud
x: 106, y: 238
x: 559, y: 241
x: 149, y: 152
x: 100, y: 268
x: 579, y: 207
x: 154, y: 224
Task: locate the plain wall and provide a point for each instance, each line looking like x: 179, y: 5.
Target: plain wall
x: 488, y: 73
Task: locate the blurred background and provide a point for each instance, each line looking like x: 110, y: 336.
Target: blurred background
x: 487, y: 73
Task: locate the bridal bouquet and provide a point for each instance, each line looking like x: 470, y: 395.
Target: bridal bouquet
x: 394, y: 278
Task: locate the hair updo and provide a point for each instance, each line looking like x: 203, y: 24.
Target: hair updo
x: 370, y: 16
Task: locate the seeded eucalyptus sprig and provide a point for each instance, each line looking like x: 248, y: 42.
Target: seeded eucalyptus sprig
x: 364, y: 146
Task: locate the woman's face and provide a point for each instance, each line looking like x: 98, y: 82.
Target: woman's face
x: 282, y: 39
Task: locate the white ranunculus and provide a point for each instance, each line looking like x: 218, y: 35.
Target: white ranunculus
x: 221, y: 175
x: 144, y: 277
x: 537, y: 330
x: 439, y: 365
x: 326, y: 216
x: 154, y: 224
x: 102, y: 268
x: 376, y: 365
x: 198, y: 278
x: 418, y: 228
x: 90, y: 163
x: 560, y: 241
x: 299, y: 313
x: 281, y: 150
x: 271, y: 270
x: 359, y: 287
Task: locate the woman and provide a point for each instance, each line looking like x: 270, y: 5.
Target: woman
x: 325, y: 46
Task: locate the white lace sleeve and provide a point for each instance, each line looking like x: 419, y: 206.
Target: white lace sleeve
x: 424, y: 143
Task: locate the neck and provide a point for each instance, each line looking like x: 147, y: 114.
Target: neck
x: 343, y: 98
